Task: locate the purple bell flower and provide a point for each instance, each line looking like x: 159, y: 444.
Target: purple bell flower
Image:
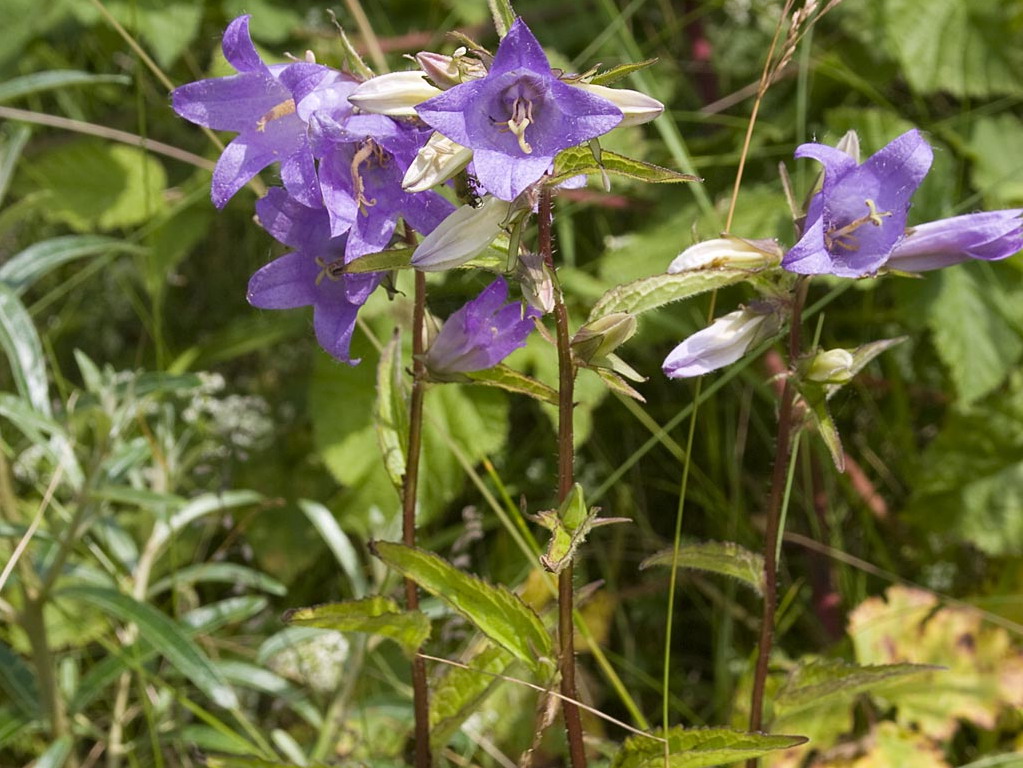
x: 268, y: 106
x: 518, y: 117
x: 480, y: 334
x: 302, y: 277
x: 990, y: 236
x: 859, y: 216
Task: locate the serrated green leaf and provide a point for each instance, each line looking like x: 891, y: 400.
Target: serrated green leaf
x: 819, y: 682
x: 94, y: 185
x: 222, y: 573
x: 459, y: 693
x: 22, y: 270
x: 963, y: 47
x: 394, y: 258
x: 52, y: 80
x: 723, y: 557
x: 577, y: 161
x: 657, y: 290
x: 162, y: 633
x: 390, y: 412
x: 374, y: 615
x: 613, y: 75
x: 20, y: 341
x: 503, y: 377
x: 699, y: 748
x: 497, y: 612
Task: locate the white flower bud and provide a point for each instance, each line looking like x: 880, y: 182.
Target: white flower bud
x: 599, y: 338
x: 536, y: 282
x: 728, y: 252
x: 437, y: 161
x: 461, y: 236
x: 722, y: 342
x: 636, y: 107
x: 833, y: 366
x: 394, y: 94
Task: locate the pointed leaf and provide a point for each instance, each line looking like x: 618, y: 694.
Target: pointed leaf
x: 506, y: 378
x: 613, y: 75
x: 55, y: 755
x: 18, y: 682
x: 617, y: 383
x: 723, y: 557
x: 496, y: 611
x: 394, y: 258
x: 224, y: 573
x: 344, y: 552
x: 825, y: 425
x: 10, y: 155
x: 20, y: 341
x: 652, y: 292
x: 699, y: 748
x: 390, y: 412
x: 53, y: 79
x: 816, y: 683
x: 459, y: 693
x: 581, y: 160
x: 163, y: 634
x: 203, y: 505
x: 374, y: 615
x: 26, y: 267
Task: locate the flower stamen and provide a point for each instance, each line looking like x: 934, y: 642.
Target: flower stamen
x: 521, y: 118
x: 844, y: 238
x: 283, y: 109
x: 364, y: 156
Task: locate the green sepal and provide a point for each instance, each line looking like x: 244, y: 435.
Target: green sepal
x: 613, y: 75
x: 569, y: 527
x: 509, y: 379
x: 577, y: 161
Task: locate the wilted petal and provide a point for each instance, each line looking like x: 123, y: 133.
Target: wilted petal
x: 989, y: 236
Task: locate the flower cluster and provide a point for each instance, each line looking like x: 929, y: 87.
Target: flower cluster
x: 358, y: 156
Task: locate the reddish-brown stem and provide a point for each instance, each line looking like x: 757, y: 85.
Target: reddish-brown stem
x: 781, y: 459
x: 420, y: 693
x: 566, y: 478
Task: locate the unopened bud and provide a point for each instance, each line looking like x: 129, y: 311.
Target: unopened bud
x: 723, y: 342
x: 850, y: 144
x: 833, y: 366
x: 536, y: 282
x: 438, y: 160
x: 636, y: 107
x: 394, y: 94
x: 728, y: 252
x: 461, y: 236
x: 449, y: 71
x: 599, y: 338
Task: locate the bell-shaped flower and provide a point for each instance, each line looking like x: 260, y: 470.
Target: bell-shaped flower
x: 394, y: 94
x: 727, y: 251
x: 480, y: 334
x: 306, y: 276
x: 461, y: 236
x: 264, y: 105
x: 859, y: 216
x: 723, y: 342
x: 518, y: 117
x: 990, y: 236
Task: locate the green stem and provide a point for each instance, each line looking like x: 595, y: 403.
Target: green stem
x: 420, y: 693
x: 566, y: 478
x: 779, y: 476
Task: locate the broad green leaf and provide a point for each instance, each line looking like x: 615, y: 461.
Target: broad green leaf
x: 337, y: 540
x: 459, y: 693
x: 198, y: 507
x: 963, y: 47
x: 55, y: 755
x: 699, y: 748
x: 496, y: 611
x: 996, y: 145
x: 53, y: 79
x: 580, y: 160
x: 722, y: 557
x: 657, y: 290
x: 613, y: 75
x: 974, y: 338
x: 223, y: 573
x: 95, y: 185
x: 395, y: 258
x: 11, y: 153
x: 819, y: 682
x: 390, y: 412
x: 503, y: 377
x: 25, y: 268
x: 20, y: 341
x: 166, y: 27
x: 18, y: 682
x: 167, y: 637
x: 374, y: 615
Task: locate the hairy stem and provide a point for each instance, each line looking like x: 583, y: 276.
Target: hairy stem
x: 420, y: 694
x: 778, y: 482
x: 566, y: 478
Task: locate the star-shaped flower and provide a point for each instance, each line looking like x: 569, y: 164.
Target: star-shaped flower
x: 303, y: 277
x: 518, y: 117
x: 859, y: 216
